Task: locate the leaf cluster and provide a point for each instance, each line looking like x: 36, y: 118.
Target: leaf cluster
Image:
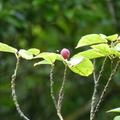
x: 80, y: 63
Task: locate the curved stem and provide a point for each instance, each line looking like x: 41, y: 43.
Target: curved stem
x: 51, y: 86
x: 13, y: 89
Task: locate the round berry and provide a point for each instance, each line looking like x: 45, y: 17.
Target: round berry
x: 65, y: 53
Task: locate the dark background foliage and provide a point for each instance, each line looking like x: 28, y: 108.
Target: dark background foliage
x: 51, y: 25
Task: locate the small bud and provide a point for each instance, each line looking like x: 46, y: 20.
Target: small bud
x: 65, y: 53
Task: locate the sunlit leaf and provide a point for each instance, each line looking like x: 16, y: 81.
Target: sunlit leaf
x: 75, y: 61
x: 114, y: 110
x: 106, y: 50
x: 51, y: 57
x: 81, y: 66
x: 34, y: 51
x: 117, y: 118
x: 112, y: 37
x: 102, y: 48
x: 114, y: 52
x: 103, y: 36
x: 25, y: 54
x: 7, y: 48
x: 90, y: 54
x: 90, y: 39
x: 42, y: 62
x: 59, y: 57
x: 117, y: 47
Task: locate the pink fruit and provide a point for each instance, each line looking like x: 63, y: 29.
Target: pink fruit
x: 118, y: 39
x: 65, y: 53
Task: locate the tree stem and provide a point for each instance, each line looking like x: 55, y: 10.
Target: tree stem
x: 51, y: 86
x: 59, y: 115
x: 13, y: 89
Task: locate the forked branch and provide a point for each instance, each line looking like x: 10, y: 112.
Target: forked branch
x: 96, y: 80
x: 105, y: 89
x: 58, y: 103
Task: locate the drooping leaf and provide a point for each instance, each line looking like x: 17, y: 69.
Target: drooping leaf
x: 25, y: 54
x: 114, y: 110
x: 90, y: 39
x: 59, y: 57
x: 7, y: 48
x: 81, y: 66
x: 42, y: 62
x: 34, y: 51
x: 112, y: 37
x: 90, y: 54
x: 117, y: 118
x: 51, y: 57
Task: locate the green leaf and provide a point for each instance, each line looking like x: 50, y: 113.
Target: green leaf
x: 114, y: 52
x: 34, y: 51
x: 81, y: 66
x: 25, y: 54
x: 102, y: 48
x: 42, y: 62
x: 117, y: 118
x: 59, y: 57
x: 75, y: 61
x: 90, y: 39
x: 117, y: 47
x: 90, y: 54
x: 112, y: 37
x: 7, y: 48
x: 103, y: 36
x: 51, y: 57
x: 106, y: 50
x: 114, y: 110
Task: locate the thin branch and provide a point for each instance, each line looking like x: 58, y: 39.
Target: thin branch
x: 102, y: 69
x: 95, y: 88
x: 105, y: 89
x: 58, y: 103
x: 59, y: 115
x: 51, y: 86
x: 61, y: 92
x: 61, y: 95
x: 13, y: 89
x: 94, y: 74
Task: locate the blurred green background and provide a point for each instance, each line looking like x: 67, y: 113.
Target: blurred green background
x: 51, y: 25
